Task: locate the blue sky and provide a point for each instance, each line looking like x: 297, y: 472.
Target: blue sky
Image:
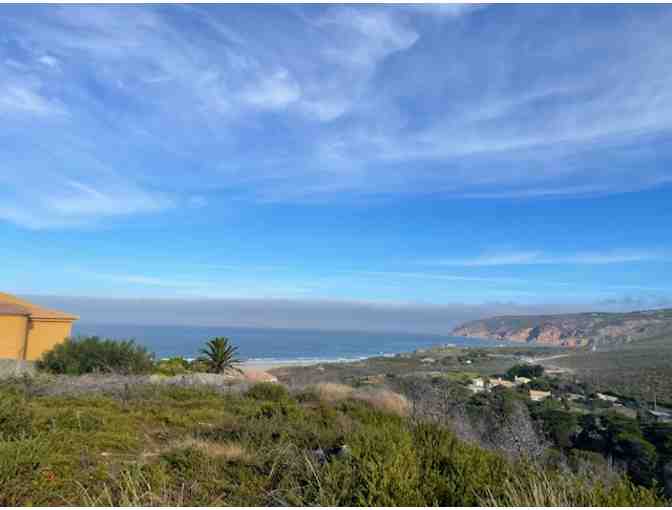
x: 379, y: 154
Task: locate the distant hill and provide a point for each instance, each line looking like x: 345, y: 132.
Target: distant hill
x: 572, y: 330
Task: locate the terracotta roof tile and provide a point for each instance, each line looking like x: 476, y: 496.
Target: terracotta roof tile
x: 10, y: 309
x: 14, y: 304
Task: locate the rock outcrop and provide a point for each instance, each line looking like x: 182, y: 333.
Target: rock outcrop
x: 572, y: 330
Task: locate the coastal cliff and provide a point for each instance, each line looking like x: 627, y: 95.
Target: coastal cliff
x: 571, y: 330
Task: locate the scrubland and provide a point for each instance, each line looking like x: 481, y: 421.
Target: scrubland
x: 265, y: 445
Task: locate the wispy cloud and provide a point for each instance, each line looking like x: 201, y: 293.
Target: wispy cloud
x: 438, y: 276
x: 56, y: 203
x: 150, y: 281
x: 539, y: 257
x: 346, y: 101
x: 275, y: 91
x: 15, y: 99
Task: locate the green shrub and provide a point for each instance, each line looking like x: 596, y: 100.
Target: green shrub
x: 310, y: 394
x: 454, y: 473
x: 386, y: 468
x: 91, y: 354
x: 172, y: 366
x: 187, y: 463
x: 16, y: 419
x: 21, y: 464
x: 268, y: 391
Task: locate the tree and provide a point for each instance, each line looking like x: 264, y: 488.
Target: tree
x: 529, y: 371
x: 219, y: 356
x: 639, y: 455
x: 560, y: 427
x: 621, y: 438
x: 541, y: 384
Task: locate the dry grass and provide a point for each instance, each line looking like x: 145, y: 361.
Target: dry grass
x: 384, y: 400
x: 378, y: 398
x: 254, y: 376
x: 229, y: 450
x: 332, y: 392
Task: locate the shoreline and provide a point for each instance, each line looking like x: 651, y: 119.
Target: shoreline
x: 266, y: 365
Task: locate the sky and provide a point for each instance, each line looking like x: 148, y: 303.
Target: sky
x: 413, y: 157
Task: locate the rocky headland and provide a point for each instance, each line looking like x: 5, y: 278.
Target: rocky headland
x: 572, y: 330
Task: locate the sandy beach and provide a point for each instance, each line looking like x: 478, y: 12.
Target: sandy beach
x: 264, y: 366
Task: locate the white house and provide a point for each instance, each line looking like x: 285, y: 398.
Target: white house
x: 537, y: 395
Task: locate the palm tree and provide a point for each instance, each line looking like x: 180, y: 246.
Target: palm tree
x: 219, y: 355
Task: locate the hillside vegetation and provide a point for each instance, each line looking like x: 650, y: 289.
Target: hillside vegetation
x: 640, y: 370
x: 572, y: 330
x: 263, y: 446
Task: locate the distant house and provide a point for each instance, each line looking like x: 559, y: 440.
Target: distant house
x: 478, y: 382
x: 661, y: 416
x: 522, y: 380
x: 537, y: 395
x: 28, y: 330
x: 501, y: 382
x: 554, y: 371
x: 607, y: 398
x: 477, y: 385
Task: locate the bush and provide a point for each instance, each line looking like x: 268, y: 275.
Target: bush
x: 20, y: 470
x: 172, y: 366
x: 268, y: 391
x: 15, y: 416
x: 91, y: 354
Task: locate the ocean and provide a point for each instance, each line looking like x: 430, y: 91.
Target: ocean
x: 274, y: 345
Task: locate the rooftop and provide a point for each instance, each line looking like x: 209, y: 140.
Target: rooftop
x: 10, y: 309
x: 12, y: 305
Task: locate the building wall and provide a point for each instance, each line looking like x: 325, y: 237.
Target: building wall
x: 44, y: 334
x: 12, y: 335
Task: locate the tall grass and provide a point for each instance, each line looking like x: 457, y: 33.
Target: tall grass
x: 378, y: 398
x: 538, y: 488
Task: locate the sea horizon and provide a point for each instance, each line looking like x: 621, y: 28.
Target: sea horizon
x: 276, y: 345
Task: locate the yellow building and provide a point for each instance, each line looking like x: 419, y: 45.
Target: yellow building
x: 28, y: 330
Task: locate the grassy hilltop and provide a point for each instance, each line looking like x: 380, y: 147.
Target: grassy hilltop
x: 176, y: 446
